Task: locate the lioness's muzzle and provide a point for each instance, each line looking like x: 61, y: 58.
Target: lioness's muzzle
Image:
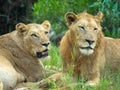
x: 42, y: 54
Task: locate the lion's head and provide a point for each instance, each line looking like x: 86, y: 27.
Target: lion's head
x: 85, y: 31
x: 35, y: 38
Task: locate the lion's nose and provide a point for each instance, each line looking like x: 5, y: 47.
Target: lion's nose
x: 45, y: 44
x: 90, y: 41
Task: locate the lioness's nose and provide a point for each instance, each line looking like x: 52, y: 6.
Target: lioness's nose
x: 90, y: 41
x: 45, y: 44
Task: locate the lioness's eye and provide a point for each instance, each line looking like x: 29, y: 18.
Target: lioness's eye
x: 95, y: 29
x: 34, y: 35
x: 81, y: 27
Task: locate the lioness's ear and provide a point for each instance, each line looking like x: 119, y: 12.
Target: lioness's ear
x: 70, y: 18
x: 21, y: 27
x: 46, y: 24
x: 99, y: 16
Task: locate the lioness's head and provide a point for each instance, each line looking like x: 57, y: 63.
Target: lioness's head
x: 85, y: 30
x: 35, y: 38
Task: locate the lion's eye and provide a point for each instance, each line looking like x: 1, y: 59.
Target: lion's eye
x: 34, y: 35
x: 46, y: 32
x: 95, y: 29
x: 81, y: 27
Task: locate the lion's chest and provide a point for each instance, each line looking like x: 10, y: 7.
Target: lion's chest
x: 83, y: 67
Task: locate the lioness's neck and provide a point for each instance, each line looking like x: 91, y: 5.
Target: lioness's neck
x: 21, y: 59
x: 17, y: 39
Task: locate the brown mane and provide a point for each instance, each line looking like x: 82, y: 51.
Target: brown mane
x: 87, y: 66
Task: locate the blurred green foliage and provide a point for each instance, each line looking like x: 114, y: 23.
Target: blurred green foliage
x: 54, y: 11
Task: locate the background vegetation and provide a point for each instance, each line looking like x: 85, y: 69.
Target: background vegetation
x: 25, y: 11
x: 13, y: 12
x: 55, y: 11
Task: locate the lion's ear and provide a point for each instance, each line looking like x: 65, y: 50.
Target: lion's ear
x: 99, y: 16
x: 21, y: 27
x: 46, y: 24
x: 70, y: 17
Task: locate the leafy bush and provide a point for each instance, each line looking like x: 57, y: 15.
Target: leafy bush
x: 111, y: 20
x: 54, y: 11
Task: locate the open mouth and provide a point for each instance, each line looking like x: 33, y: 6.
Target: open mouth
x: 86, y: 47
x: 42, y: 54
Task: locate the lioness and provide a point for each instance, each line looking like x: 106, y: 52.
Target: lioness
x: 86, y: 50
x: 19, y: 53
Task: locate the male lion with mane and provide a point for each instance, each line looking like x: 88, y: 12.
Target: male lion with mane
x: 86, y: 50
x: 19, y: 53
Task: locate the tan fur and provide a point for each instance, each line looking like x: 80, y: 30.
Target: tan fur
x: 18, y: 58
x: 112, y: 53
x: 87, y: 62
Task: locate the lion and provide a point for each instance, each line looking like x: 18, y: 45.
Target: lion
x: 20, y: 51
x: 85, y: 50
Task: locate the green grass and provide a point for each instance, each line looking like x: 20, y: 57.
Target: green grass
x: 107, y: 82
x: 55, y: 59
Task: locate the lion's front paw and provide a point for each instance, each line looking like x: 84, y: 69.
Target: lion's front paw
x: 23, y: 89
x: 51, y: 81
x: 42, y: 83
x: 46, y: 83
